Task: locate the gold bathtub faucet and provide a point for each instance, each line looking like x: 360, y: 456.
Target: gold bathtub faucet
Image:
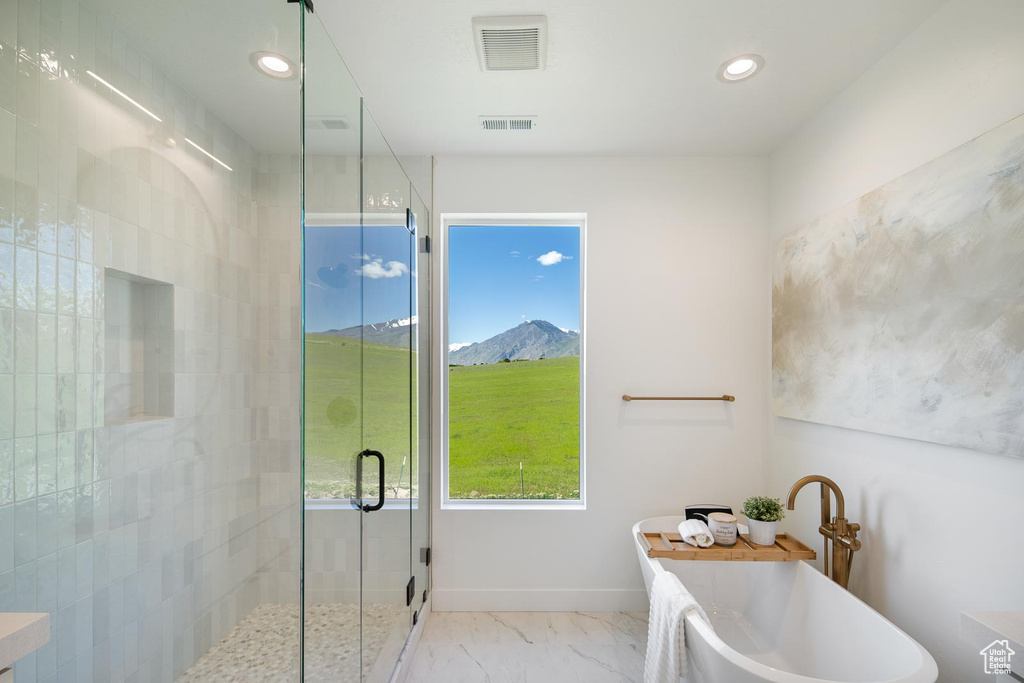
x: 837, y: 529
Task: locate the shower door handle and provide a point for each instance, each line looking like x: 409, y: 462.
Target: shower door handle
x: 359, y: 480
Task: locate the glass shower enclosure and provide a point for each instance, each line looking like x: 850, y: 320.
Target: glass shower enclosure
x: 364, y: 381
x: 214, y: 391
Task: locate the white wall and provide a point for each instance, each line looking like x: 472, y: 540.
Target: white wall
x: 676, y: 304
x: 939, y: 523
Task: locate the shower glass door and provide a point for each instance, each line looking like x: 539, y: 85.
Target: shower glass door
x: 388, y: 282
x: 332, y: 402
x: 359, y: 469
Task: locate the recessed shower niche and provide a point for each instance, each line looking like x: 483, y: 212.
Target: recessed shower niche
x: 139, y: 351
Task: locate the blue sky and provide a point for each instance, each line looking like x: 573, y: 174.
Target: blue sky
x: 501, y: 276
x: 356, y: 276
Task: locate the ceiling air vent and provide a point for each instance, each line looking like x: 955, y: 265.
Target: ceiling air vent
x: 327, y: 123
x: 511, y: 43
x: 523, y: 123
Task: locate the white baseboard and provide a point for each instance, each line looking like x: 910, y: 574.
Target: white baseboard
x: 539, y: 600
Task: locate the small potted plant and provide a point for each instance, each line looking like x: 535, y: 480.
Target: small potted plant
x: 763, y: 515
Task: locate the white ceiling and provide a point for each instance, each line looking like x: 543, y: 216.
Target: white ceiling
x: 205, y: 48
x: 204, y: 45
x: 621, y: 78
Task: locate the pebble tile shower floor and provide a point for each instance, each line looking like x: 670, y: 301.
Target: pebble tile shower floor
x: 264, y: 645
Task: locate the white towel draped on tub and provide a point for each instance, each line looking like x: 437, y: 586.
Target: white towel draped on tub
x: 666, y: 651
x: 696, y: 533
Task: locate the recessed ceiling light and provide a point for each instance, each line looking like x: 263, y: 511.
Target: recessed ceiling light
x: 275, y: 64
x: 740, y: 68
x: 272, y: 64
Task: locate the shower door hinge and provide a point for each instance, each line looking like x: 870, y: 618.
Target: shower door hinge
x: 307, y: 3
x: 410, y: 590
x: 425, y: 556
x: 415, y: 618
x: 425, y: 245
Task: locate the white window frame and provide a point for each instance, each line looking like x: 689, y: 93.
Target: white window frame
x: 578, y: 220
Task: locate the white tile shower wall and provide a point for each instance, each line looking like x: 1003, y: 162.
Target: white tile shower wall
x: 332, y: 186
x: 335, y: 554
x: 278, y: 380
x: 141, y: 540
x: 420, y: 170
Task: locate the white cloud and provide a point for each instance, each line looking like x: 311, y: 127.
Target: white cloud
x: 538, y: 277
x: 514, y: 254
x: 315, y: 284
x: 459, y: 345
x: 378, y: 269
x: 550, y: 258
x: 361, y: 257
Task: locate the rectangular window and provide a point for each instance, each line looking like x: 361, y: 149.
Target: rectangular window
x: 513, y: 324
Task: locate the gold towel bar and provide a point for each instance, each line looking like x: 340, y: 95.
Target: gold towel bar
x: 725, y: 397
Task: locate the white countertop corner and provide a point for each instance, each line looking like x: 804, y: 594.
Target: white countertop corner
x: 21, y: 634
x: 981, y: 629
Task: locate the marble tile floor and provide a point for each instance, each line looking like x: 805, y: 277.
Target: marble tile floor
x: 531, y: 647
x: 264, y: 646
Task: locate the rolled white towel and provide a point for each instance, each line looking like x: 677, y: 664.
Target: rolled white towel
x: 696, y: 533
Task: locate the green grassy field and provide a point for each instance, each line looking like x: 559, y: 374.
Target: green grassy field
x: 500, y: 415
x: 333, y: 421
x: 507, y: 413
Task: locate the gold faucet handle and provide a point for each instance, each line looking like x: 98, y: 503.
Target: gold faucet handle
x: 852, y: 530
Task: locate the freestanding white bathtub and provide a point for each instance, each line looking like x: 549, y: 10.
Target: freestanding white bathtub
x: 783, y: 622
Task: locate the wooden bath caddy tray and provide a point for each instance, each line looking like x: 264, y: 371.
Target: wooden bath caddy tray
x: 671, y: 546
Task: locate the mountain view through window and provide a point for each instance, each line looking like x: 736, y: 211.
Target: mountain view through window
x: 514, y: 362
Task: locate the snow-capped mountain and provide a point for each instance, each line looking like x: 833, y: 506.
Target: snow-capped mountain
x: 532, y: 340
x: 395, y: 332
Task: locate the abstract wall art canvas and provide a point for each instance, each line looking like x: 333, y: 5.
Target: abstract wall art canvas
x: 902, y: 313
